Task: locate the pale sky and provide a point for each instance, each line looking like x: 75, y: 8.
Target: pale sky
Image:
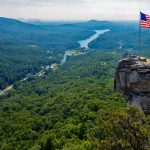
x: 74, y: 9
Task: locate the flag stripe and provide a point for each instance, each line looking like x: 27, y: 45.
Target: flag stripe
x: 145, y: 21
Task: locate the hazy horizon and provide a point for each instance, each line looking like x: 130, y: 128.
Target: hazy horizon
x: 68, y: 21
x: 70, y: 10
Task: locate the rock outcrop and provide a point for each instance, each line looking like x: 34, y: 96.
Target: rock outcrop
x: 133, y: 80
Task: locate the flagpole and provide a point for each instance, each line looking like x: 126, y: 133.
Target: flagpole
x: 139, y: 40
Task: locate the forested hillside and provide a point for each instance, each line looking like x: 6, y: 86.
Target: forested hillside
x: 16, y: 61
x: 28, y: 47
x: 73, y: 108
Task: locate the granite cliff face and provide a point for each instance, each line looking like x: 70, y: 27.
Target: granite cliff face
x: 133, y: 80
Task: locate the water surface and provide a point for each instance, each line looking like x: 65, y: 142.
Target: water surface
x: 85, y: 43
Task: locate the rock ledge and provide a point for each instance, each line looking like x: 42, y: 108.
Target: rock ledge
x: 133, y: 80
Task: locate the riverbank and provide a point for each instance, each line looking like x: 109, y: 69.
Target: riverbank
x: 83, y: 45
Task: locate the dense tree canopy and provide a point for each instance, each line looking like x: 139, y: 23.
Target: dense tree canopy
x: 73, y: 108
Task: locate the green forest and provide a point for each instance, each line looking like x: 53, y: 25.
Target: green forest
x: 28, y: 47
x: 73, y: 108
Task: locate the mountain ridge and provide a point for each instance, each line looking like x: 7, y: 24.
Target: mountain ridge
x: 16, y: 25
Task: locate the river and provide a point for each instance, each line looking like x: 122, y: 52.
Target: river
x: 64, y: 57
x: 85, y: 43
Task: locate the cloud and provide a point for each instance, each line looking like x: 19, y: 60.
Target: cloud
x: 40, y: 2
x: 74, y: 9
x: 65, y: 2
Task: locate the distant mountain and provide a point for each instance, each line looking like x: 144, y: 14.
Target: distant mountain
x: 63, y: 36
x: 97, y: 21
x: 13, y: 31
x: 56, y: 37
x: 11, y: 25
x: 96, y: 25
x: 42, y: 22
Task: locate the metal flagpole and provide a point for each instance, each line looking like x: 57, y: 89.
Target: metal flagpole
x: 139, y: 41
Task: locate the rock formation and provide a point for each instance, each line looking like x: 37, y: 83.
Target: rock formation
x: 133, y: 80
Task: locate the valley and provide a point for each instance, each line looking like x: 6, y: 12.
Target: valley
x: 59, y: 80
x: 83, y: 44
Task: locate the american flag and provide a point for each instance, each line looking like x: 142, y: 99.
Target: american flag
x: 145, y: 20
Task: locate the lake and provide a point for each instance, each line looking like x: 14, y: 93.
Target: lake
x: 85, y: 43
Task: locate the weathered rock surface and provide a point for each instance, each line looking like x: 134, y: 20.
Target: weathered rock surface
x: 133, y: 80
